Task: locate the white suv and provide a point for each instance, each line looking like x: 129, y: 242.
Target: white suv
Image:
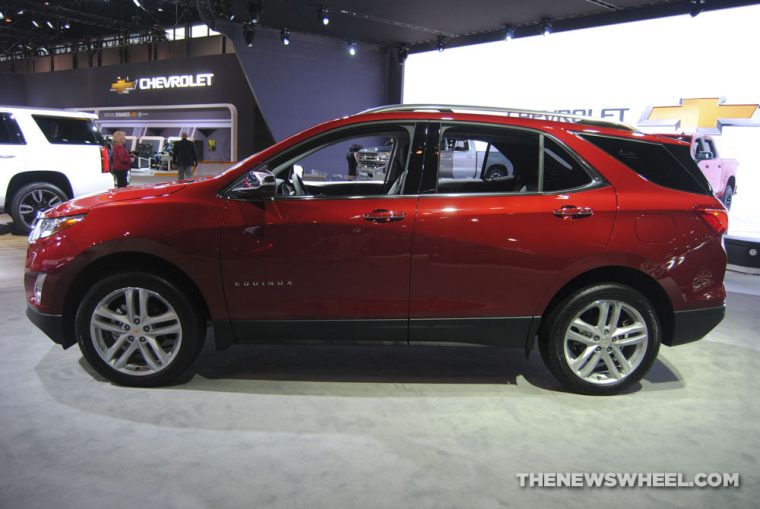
x: 47, y: 157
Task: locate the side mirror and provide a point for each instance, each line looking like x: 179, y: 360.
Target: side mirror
x: 703, y: 156
x: 257, y: 184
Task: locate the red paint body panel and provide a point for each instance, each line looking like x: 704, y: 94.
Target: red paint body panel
x: 467, y: 256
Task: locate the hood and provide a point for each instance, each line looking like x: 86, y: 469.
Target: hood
x: 85, y: 203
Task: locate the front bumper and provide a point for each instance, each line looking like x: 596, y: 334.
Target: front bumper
x: 51, y: 325
x: 694, y: 324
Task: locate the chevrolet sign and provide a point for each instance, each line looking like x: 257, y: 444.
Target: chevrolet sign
x: 122, y: 86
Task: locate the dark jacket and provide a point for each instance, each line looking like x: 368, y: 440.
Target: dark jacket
x: 184, y: 153
x: 120, y: 158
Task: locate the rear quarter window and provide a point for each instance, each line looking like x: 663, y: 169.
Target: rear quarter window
x: 68, y: 130
x: 10, y: 134
x: 652, y: 161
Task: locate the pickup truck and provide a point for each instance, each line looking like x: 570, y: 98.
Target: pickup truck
x: 720, y: 172
x: 458, y: 159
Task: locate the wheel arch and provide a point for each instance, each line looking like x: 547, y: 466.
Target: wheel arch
x: 19, y: 180
x: 636, y: 279
x: 125, y: 261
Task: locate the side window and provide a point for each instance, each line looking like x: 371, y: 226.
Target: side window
x: 561, y: 171
x: 10, y: 133
x: 652, y: 161
x: 710, y: 147
x: 68, y: 130
x: 482, y: 160
x: 372, y: 161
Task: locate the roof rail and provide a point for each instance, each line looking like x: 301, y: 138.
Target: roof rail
x: 509, y: 112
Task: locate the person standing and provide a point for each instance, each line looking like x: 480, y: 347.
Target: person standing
x: 121, y: 161
x: 184, y: 157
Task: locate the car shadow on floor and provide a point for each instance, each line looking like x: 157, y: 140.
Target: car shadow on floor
x: 461, y: 366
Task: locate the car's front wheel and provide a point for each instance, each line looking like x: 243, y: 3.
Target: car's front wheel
x: 139, y: 329
x: 728, y: 196
x: 601, y: 339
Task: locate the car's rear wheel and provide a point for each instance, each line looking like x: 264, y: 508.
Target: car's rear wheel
x: 601, y: 339
x: 728, y: 196
x: 496, y: 171
x: 31, y: 199
x: 139, y: 329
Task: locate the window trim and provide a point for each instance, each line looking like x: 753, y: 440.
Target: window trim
x: 597, y: 179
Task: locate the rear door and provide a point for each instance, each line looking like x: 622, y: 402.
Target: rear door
x: 486, y: 252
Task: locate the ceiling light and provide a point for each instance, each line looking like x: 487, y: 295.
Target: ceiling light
x: 1, y: 14
x: 66, y: 25
x: 137, y: 4
x: 20, y: 12
x: 352, y: 46
x: 509, y: 33
x: 285, y: 36
x: 546, y: 26
x: 49, y: 23
x: 697, y: 6
x: 248, y: 34
x: 324, y: 15
x: 441, y: 44
x: 34, y: 22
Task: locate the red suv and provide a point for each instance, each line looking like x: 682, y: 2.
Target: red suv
x: 598, y: 240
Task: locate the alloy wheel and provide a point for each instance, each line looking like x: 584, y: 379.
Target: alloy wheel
x: 136, y: 331
x: 605, y: 342
x: 36, y: 201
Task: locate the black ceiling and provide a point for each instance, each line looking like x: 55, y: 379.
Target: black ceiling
x: 417, y: 24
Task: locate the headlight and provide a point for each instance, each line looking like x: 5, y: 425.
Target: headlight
x: 385, y: 155
x: 45, y: 227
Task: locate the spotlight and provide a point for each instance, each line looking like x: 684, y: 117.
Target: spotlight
x: 49, y: 24
x: 546, y: 26
x: 509, y: 33
x: 20, y: 12
x: 403, y: 53
x: 255, y: 7
x: 8, y: 19
x: 697, y: 6
x: 441, y: 44
x: 285, y: 36
x: 1, y: 14
x: 138, y: 4
x: 248, y: 34
x: 34, y: 22
x: 352, y: 48
x: 324, y: 15
x: 66, y: 25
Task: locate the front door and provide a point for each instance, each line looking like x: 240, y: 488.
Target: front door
x: 328, y: 258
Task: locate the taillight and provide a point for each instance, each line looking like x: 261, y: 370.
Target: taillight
x: 715, y: 217
x: 105, y: 163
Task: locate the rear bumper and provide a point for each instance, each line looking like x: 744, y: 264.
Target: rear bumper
x: 51, y: 325
x: 694, y: 324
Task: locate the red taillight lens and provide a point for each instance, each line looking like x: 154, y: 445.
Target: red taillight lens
x: 715, y: 217
x: 105, y: 163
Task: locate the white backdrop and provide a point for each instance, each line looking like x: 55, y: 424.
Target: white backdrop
x: 633, y: 66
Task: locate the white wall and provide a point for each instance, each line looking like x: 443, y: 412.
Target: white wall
x: 633, y: 65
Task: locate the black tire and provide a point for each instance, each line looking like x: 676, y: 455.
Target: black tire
x: 587, y: 304
x: 728, y: 196
x: 496, y: 171
x: 164, y: 298
x: 32, y: 198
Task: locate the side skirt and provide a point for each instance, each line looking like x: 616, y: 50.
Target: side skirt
x: 504, y: 332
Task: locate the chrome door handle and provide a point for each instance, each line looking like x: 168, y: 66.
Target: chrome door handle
x: 383, y: 216
x: 573, y: 212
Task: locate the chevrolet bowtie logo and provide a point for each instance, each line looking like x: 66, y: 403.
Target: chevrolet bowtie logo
x: 707, y: 115
x: 123, y: 86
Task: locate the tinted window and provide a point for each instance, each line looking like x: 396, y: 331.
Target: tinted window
x: 650, y: 160
x: 561, y: 171
x: 683, y: 155
x: 9, y: 130
x: 67, y: 130
x: 481, y: 160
